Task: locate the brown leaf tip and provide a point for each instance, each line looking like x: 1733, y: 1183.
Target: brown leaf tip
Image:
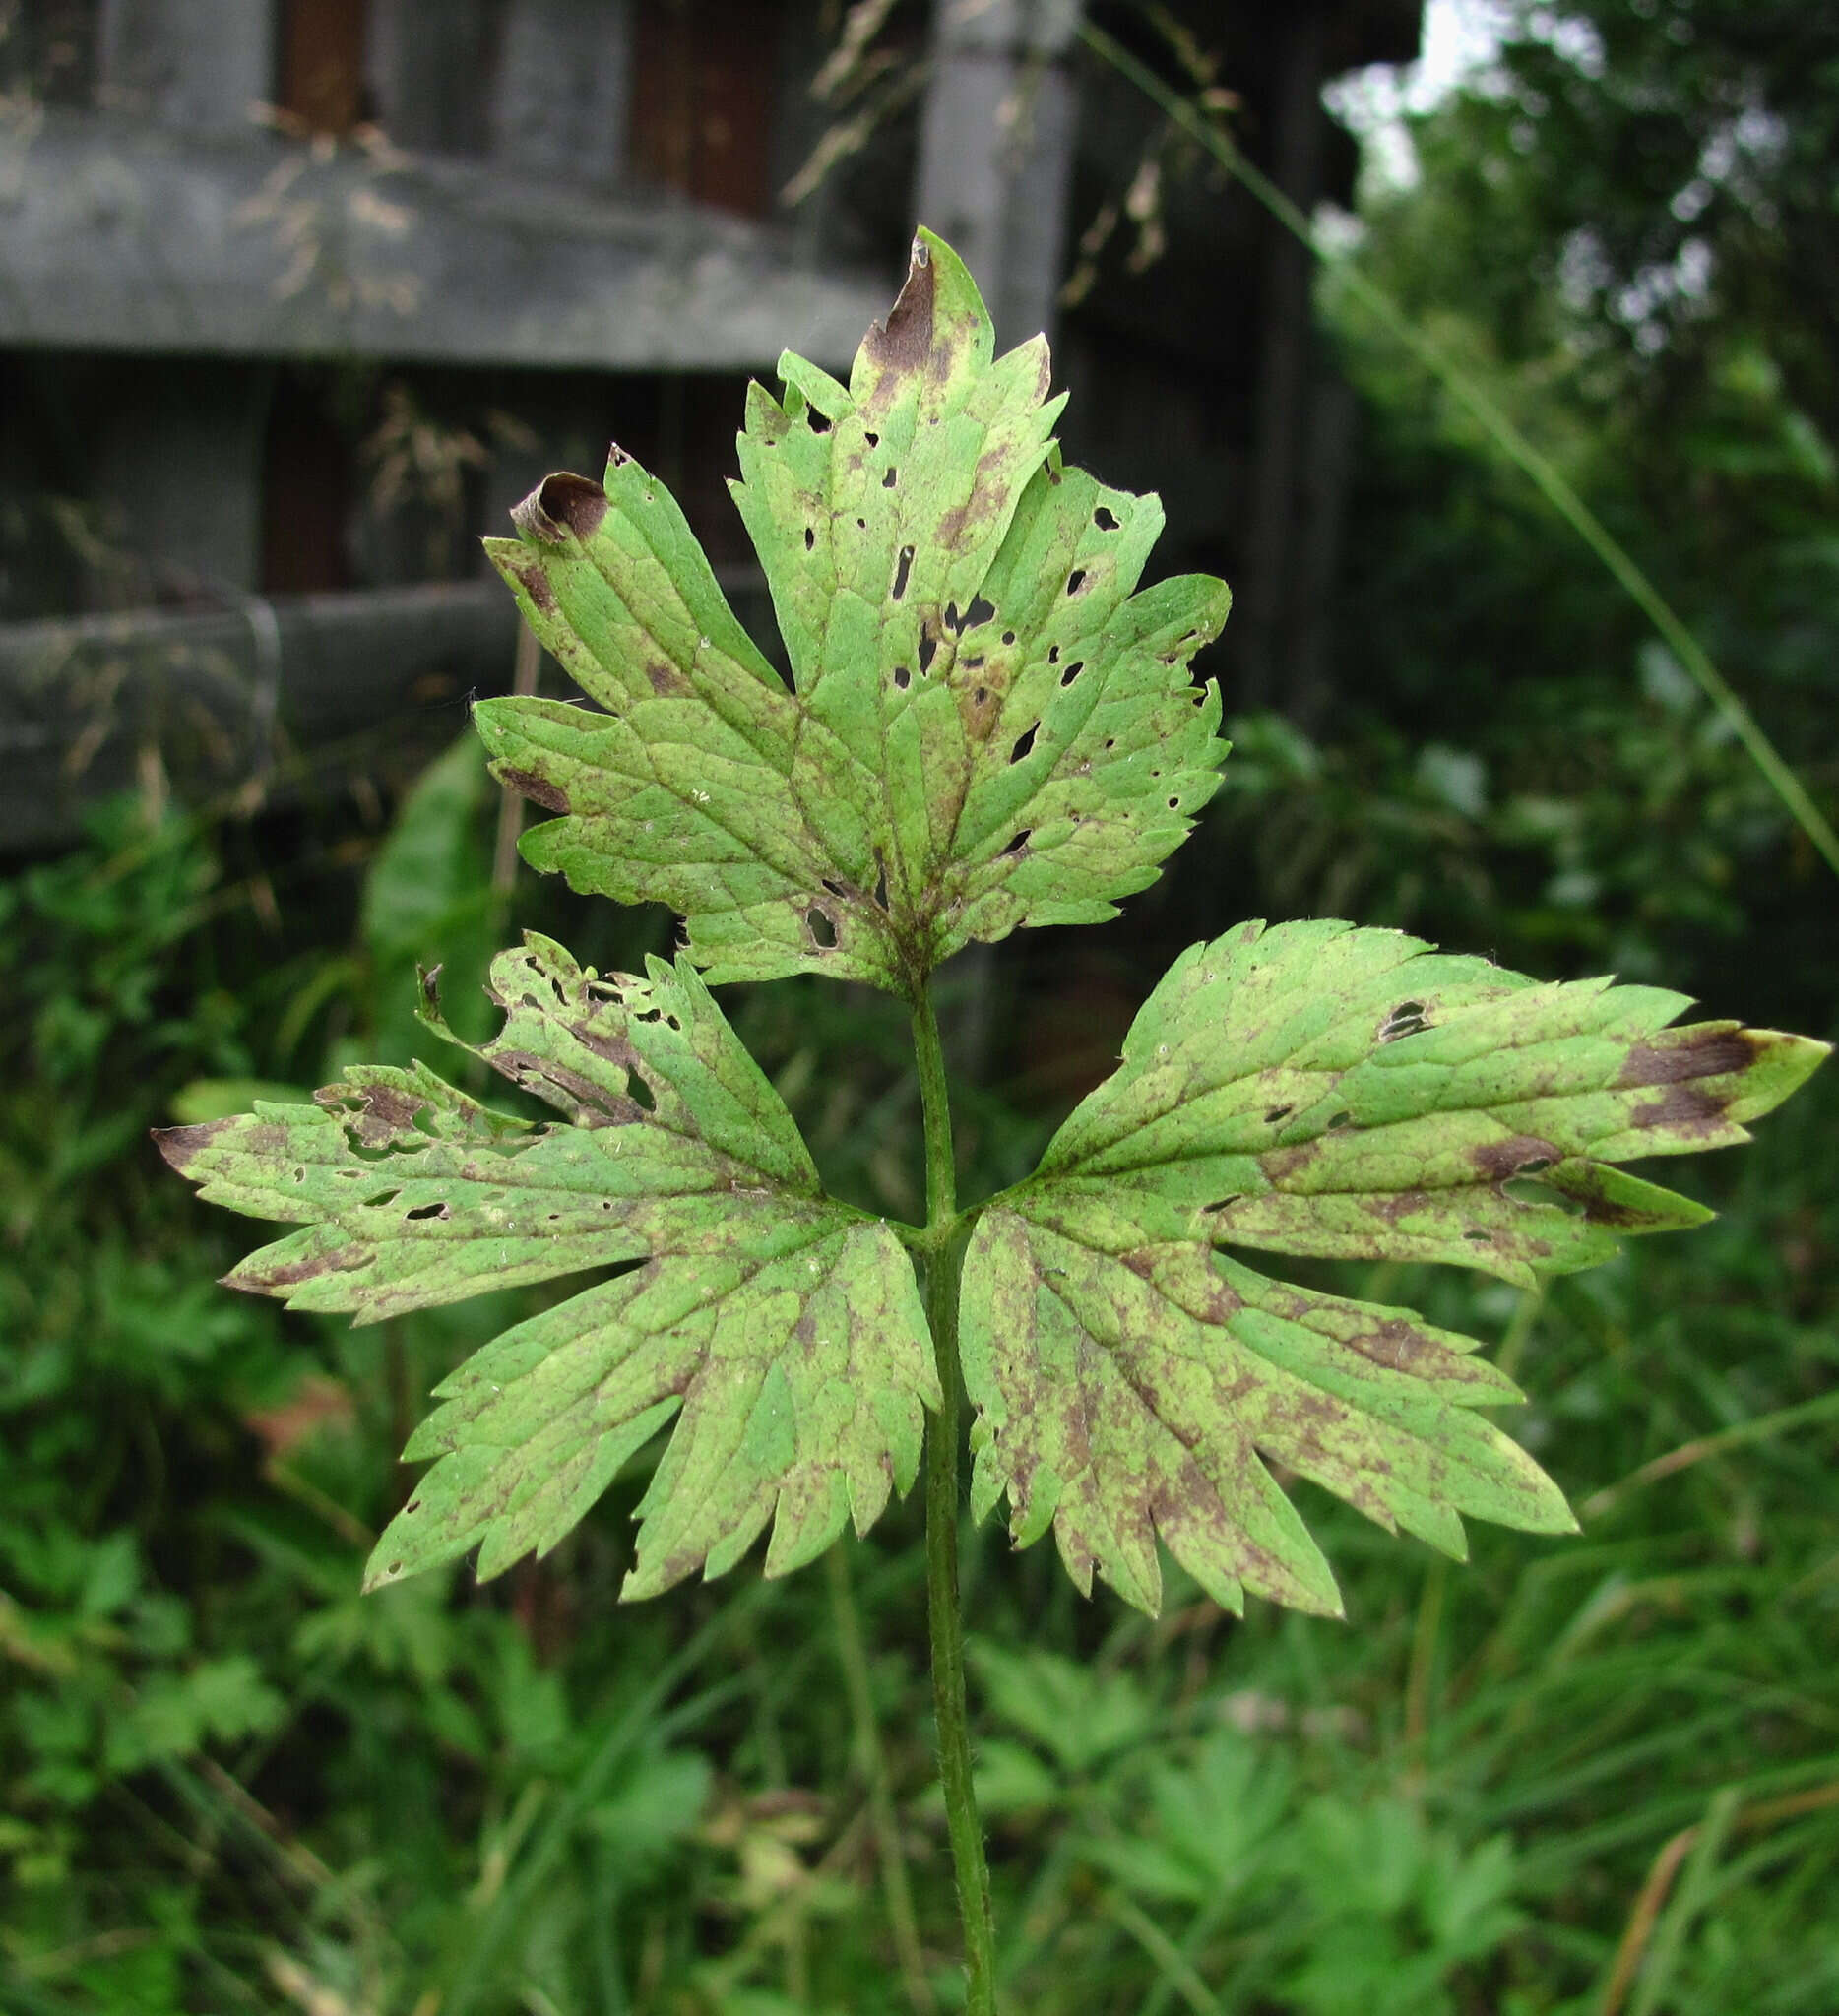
x: 181, y: 1146
x: 902, y: 343
x: 561, y: 506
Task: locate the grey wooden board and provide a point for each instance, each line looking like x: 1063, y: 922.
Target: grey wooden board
x: 281, y: 691
x: 116, y: 233
x: 205, y: 702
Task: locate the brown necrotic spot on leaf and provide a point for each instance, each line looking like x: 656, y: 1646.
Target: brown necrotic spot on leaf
x: 1283, y: 1162
x: 666, y: 678
x: 1710, y: 1053
x: 534, y: 1073
x: 290, y: 1273
x: 375, y: 1115
x: 899, y: 345
x: 1522, y: 1154
x: 985, y: 496
x: 561, y: 505
x: 1398, y: 1343
x: 1688, y: 1107
x: 1606, y: 1212
x: 537, y: 790
x: 535, y: 585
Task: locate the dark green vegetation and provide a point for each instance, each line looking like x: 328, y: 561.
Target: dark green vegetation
x: 229, y: 1772
x: 264, y: 1787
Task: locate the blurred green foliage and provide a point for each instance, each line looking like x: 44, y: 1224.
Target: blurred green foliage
x: 1623, y: 230
x: 233, y: 1783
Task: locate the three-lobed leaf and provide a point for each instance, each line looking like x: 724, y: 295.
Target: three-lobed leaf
x: 1316, y: 1090
x: 986, y: 727
x: 780, y: 1331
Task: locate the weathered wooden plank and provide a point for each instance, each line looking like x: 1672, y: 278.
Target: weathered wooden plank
x: 272, y: 692
x: 117, y: 233
x: 208, y: 702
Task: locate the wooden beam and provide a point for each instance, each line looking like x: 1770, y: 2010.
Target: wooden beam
x: 119, y: 234
x: 258, y: 698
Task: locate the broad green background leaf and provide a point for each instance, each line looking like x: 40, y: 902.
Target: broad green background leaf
x: 1319, y: 1090
x: 428, y: 896
x: 783, y: 1332
x: 987, y: 727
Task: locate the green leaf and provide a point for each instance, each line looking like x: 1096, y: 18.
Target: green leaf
x: 1316, y: 1090
x: 781, y: 1332
x: 1320, y: 1090
x: 987, y: 729
x: 428, y: 896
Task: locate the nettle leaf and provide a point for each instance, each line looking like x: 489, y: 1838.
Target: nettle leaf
x: 987, y: 729
x: 1315, y: 1089
x: 781, y: 1332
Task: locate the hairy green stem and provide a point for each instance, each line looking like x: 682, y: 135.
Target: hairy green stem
x: 942, y: 1523
x: 1543, y: 471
